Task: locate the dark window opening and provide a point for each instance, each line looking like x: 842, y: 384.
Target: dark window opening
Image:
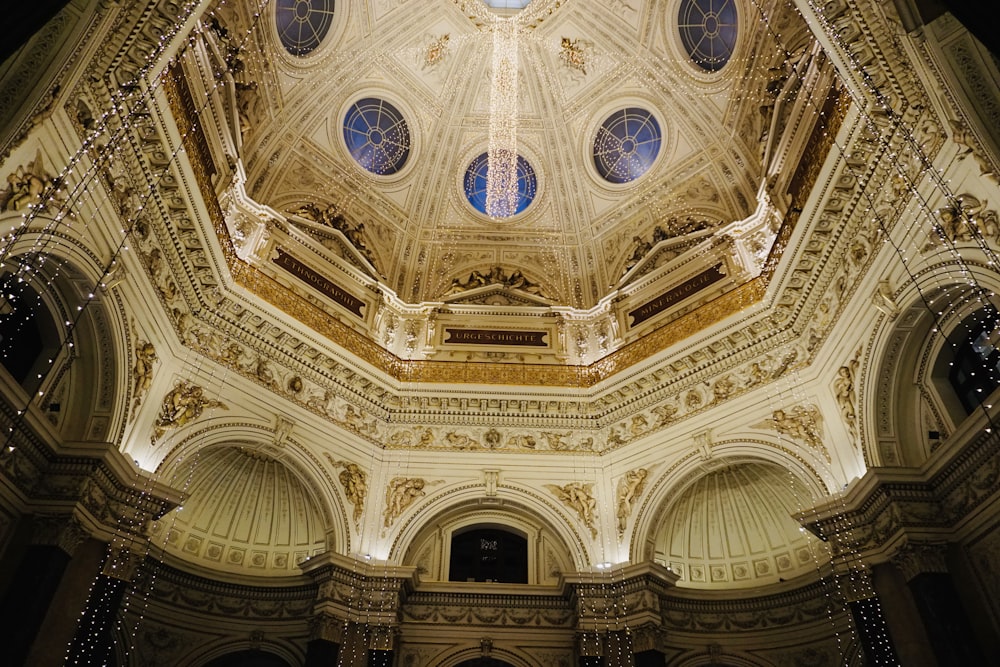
x: 975, y: 369
x: 489, y: 554
x: 27, y: 332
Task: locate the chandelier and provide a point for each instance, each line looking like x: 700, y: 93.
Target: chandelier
x: 501, y: 173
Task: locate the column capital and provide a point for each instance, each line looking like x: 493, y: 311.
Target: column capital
x: 63, y: 530
x: 326, y: 627
x: 121, y: 563
x: 915, y: 558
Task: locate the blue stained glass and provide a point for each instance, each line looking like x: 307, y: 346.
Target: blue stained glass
x: 475, y: 185
x: 377, y: 136
x: 302, y: 24
x: 626, y: 145
x: 708, y: 31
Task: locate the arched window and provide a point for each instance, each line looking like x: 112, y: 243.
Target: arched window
x: 489, y: 554
x: 975, y: 368
x: 28, y: 333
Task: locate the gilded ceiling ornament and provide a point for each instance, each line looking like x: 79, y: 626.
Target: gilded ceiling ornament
x: 578, y: 496
x: 494, y: 276
x: 181, y: 406
x: 573, y: 54
x: 142, y: 373
x: 630, y: 487
x: 437, y: 51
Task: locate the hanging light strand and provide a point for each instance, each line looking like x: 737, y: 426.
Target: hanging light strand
x: 501, y: 174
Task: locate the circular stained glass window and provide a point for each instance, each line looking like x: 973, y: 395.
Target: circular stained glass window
x: 302, y: 24
x: 475, y: 184
x: 708, y: 31
x: 626, y: 145
x: 377, y: 136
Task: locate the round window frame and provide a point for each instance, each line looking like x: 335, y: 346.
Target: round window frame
x: 404, y: 113
x: 473, y: 155
x: 595, y: 133
x: 679, y: 39
x: 284, y: 50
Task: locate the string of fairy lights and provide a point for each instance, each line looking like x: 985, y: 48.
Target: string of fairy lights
x: 501, y: 177
x: 90, y: 644
x: 844, y: 534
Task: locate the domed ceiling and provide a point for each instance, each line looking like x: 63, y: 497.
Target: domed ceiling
x: 733, y: 527
x: 624, y: 115
x: 244, y: 512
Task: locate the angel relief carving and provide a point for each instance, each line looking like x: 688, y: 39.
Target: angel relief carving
x: 182, y: 405
x: 493, y: 276
x: 26, y: 186
x: 844, y: 390
x: 142, y: 373
x: 800, y: 424
x: 630, y: 487
x: 332, y: 217
x: 355, y: 482
x: 400, y: 493
x: 578, y: 496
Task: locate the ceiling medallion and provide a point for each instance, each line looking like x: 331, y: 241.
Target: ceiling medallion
x: 573, y: 54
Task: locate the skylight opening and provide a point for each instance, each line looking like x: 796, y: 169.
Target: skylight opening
x: 507, y: 5
x: 475, y: 182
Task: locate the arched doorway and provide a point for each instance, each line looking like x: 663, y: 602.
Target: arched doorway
x: 248, y: 658
x: 484, y: 662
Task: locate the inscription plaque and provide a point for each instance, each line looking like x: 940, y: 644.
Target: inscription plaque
x: 320, y: 282
x: 676, y: 294
x: 495, y: 337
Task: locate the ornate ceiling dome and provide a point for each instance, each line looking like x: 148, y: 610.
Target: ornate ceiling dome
x: 245, y: 512
x: 733, y: 528
x: 617, y: 128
